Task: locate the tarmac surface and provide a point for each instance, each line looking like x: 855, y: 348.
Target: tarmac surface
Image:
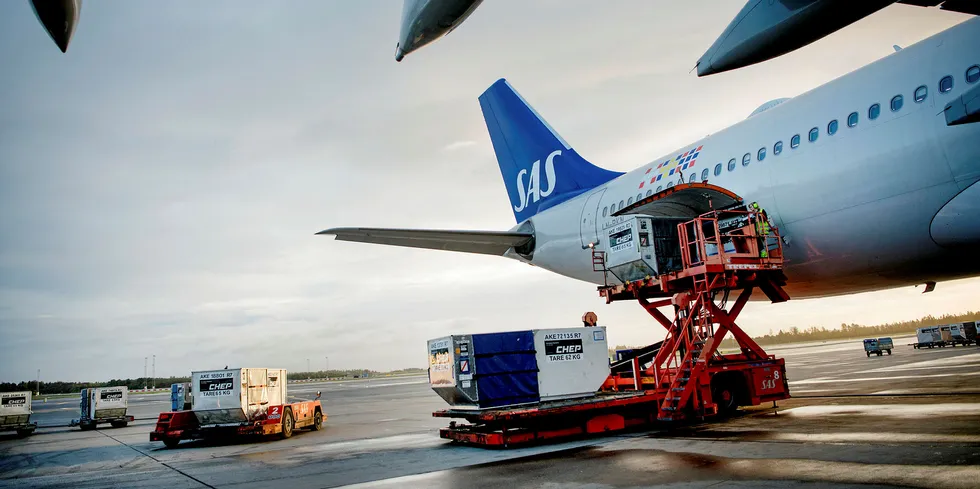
x: 911, y: 419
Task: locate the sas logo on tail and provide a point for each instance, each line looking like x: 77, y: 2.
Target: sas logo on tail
x: 675, y: 165
x: 533, y: 190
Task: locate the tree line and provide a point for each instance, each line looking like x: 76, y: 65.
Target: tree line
x: 62, y: 387
x: 846, y: 331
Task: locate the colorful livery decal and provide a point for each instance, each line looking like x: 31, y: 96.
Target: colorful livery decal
x: 671, y: 167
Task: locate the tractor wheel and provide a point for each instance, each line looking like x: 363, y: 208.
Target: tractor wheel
x: 287, y: 423
x: 171, y: 442
x: 318, y: 421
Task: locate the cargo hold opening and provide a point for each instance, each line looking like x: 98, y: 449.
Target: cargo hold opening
x: 642, y: 238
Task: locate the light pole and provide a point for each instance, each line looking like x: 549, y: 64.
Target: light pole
x: 307, y: 369
x: 326, y: 364
x: 144, y: 372
x: 153, y: 375
x: 37, y: 383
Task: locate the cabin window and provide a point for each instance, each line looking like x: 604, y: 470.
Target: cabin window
x: 832, y: 127
x: 946, y: 84
x: 814, y: 134
x: 897, y: 102
x: 795, y: 142
x: 852, y: 120
x: 777, y: 148
x: 921, y: 93
x: 731, y: 164
x: 704, y: 174
x: 660, y: 187
x: 630, y: 201
x: 649, y: 193
x: 973, y: 74
x: 761, y: 154
x: 621, y: 205
x: 746, y: 159
x: 874, y: 111
x: 670, y: 184
x: 639, y: 196
x: 694, y: 175
x: 604, y: 210
x: 718, y: 169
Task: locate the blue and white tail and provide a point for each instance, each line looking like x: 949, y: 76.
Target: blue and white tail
x: 540, y: 169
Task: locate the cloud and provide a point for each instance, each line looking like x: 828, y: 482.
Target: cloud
x: 458, y: 145
x: 161, y: 184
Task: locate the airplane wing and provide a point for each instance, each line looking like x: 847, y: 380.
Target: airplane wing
x: 483, y: 242
x: 961, y: 6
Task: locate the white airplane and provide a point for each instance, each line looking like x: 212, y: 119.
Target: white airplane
x: 871, y: 178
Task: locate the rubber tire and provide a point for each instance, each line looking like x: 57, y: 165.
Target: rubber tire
x: 171, y: 442
x: 86, y: 426
x: 725, y: 408
x: 287, y: 424
x: 119, y: 424
x: 868, y: 353
x: 24, y: 433
x: 879, y: 353
x: 317, y: 421
x: 889, y: 352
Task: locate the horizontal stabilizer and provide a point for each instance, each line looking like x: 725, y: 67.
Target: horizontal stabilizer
x: 483, y: 242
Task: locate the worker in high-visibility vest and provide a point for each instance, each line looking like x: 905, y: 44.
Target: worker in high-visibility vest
x: 762, y: 229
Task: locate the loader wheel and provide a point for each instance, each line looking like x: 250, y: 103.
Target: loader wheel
x: 318, y: 421
x: 171, y: 442
x: 24, y: 432
x: 868, y: 353
x: 119, y: 424
x: 86, y: 426
x: 724, y: 397
x: 287, y: 423
x: 889, y: 352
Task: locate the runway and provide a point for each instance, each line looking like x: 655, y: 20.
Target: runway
x: 910, y: 419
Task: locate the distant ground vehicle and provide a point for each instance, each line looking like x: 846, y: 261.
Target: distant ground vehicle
x: 929, y: 337
x: 15, y: 413
x: 103, y: 405
x: 963, y: 334
x: 877, y: 346
x: 241, y: 401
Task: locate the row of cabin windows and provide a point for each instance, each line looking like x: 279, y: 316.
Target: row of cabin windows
x: 920, y: 94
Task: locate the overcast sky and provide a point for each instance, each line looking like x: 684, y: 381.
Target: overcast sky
x: 161, y: 183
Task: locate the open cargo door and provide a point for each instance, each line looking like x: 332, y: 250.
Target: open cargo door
x: 687, y: 200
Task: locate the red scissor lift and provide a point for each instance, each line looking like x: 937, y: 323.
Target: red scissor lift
x: 685, y: 376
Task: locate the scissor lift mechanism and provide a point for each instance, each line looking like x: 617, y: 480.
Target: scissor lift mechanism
x: 686, y: 376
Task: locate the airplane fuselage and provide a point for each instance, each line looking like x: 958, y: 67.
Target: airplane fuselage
x: 869, y: 204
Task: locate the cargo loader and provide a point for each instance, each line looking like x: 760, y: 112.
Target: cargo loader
x: 15, y: 413
x: 237, y: 402
x: 103, y: 405
x: 528, y: 386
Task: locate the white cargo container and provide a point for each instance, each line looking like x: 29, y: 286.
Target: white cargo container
x: 641, y: 246
x: 928, y: 337
x: 15, y: 412
x: 492, y: 370
x: 103, y: 405
x: 235, y: 396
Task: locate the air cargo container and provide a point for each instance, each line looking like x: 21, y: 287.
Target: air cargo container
x: 240, y: 401
x: 960, y: 334
x: 946, y: 335
x: 15, y: 412
x: 103, y: 405
x: 492, y: 370
x: 928, y: 338
x: 180, y: 396
x: 970, y: 330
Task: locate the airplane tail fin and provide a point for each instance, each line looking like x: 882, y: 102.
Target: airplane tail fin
x: 539, y: 168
